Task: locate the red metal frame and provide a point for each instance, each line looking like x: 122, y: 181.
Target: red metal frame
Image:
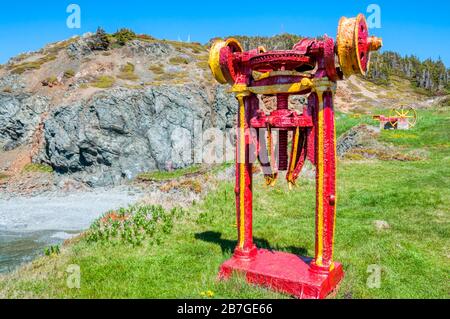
x: 309, y: 68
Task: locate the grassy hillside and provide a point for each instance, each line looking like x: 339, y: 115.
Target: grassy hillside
x: 180, y: 256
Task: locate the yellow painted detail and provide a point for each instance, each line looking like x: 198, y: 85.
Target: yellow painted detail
x: 304, y: 85
x: 261, y: 49
x: 332, y: 266
x: 214, y: 56
x: 375, y: 43
x: 320, y: 172
x: 271, y: 180
x: 214, y: 60
x: 232, y: 42
x: 294, y: 158
x: 257, y: 76
x: 241, y: 172
x: 240, y: 88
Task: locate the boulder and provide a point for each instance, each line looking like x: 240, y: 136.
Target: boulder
x: 20, y: 115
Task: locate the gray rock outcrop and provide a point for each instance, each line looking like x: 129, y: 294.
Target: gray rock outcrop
x: 120, y: 133
x: 20, y: 115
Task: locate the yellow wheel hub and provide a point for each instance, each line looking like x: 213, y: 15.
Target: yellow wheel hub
x: 354, y: 45
x: 214, y: 57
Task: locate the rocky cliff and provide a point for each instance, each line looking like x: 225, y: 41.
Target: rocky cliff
x: 120, y: 133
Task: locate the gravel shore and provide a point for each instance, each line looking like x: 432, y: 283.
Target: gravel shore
x: 29, y: 224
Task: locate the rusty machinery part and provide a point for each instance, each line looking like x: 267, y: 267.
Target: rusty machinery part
x: 313, y: 65
x: 221, y: 60
x: 354, y: 45
x: 329, y: 56
x: 403, y: 113
x: 279, y: 61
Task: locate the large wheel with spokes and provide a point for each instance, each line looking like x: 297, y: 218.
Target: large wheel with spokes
x: 405, y: 113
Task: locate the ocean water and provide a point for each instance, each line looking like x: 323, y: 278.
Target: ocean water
x: 17, y: 248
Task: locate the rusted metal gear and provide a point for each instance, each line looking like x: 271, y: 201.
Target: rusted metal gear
x: 221, y: 60
x: 354, y: 45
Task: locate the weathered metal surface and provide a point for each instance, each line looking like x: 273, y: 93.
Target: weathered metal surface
x: 403, y: 118
x: 309, y: 68
x: 354, y: 45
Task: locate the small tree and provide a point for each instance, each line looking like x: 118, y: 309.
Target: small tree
x: 100, y: 41
x: 124, y: 35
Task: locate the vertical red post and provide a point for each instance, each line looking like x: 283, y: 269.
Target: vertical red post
x: 326, y: 181
x: 244, y: 173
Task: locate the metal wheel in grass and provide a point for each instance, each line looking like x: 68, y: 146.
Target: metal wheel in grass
x: 405, y: 113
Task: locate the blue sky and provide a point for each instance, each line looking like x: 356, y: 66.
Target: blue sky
x: 408, y: 27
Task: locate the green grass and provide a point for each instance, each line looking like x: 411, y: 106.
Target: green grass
x: 104, y: 82
x: 178, y: 60
x: 127, y: 72
x: 157, y: 68
x: 169, y: 175
x: 345, y: 122
x: 37, y: 168
x: 68, y: 74
x: 204, y: 65
x: 174, y: 78
x: 51, y: 80
x: 412, y: 197
x: 34, y: 65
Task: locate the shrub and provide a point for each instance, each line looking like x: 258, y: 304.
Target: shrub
x: 128, y: 76
x: 100, y: 41
x: 52, y: 251
x: 178, y: 60
x: 191, y: 185
x: 128, y: 68
x: 203, y: 65
x: 170, y: 175
x: 123, y: 36
x: 444, y: 102
x: 69, y: 74
x: 133, y: 225
x: 7, y: 89
x: 37, y: 168
x: 145, y: 37
x: 178, y: 77
x: 156, y: 68
x: 50, y: 81
x: 104, y: 82
x: 127, y: 72
x: 34, y: 65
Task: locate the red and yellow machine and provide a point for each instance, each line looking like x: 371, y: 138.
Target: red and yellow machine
x: 403, y: 118
x: 311, y: 68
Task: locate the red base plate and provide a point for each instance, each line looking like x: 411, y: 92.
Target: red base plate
x: 285, y: 273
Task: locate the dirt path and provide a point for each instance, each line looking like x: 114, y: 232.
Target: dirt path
x: 353, y: 80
